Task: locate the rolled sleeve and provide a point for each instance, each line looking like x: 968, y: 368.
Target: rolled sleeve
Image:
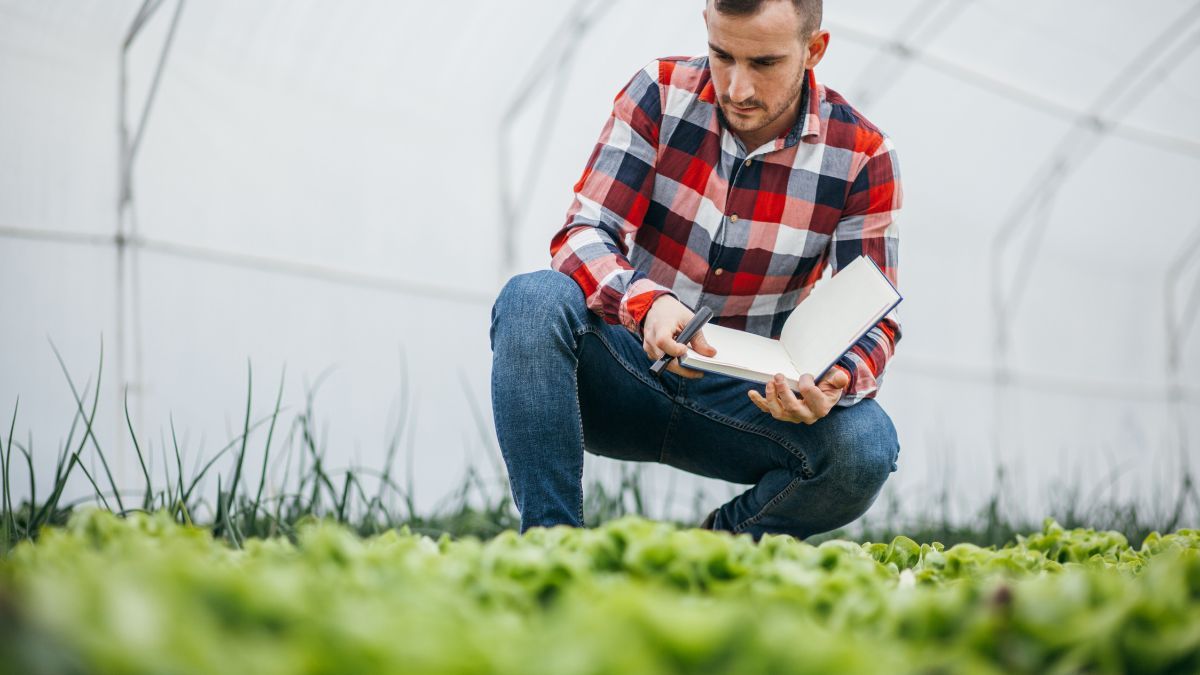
x: 868, y: 227
x: 611, y: 200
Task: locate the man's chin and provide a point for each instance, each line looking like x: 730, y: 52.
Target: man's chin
x: 743, y: 123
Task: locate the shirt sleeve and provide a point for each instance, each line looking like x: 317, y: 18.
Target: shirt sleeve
x: 868, y: 227
x: 611, y: 200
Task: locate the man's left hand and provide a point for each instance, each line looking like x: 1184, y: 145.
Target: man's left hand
x: 815, y: 400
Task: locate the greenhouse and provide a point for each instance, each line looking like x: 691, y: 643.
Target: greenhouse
x: 251, y: 252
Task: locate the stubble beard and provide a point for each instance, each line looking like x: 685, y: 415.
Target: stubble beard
x: 742, y: 125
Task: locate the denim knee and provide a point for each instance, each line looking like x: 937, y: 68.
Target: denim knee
x: 537, y: 299
x: 865, y: 453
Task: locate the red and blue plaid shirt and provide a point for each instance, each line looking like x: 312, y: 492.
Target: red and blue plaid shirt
x: 672, y: 202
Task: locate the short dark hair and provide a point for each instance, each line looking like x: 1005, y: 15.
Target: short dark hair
x: 809, y: 11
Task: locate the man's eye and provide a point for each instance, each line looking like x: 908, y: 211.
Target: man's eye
x: 724, y: 57
x: 765, y: 64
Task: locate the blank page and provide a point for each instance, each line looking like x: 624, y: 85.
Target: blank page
x: 836, y: 314
x: 746, y: 351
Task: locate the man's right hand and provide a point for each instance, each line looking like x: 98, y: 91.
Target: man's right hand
x: 665, y: 320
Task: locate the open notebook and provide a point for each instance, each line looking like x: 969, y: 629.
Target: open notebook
x: 838, y: 312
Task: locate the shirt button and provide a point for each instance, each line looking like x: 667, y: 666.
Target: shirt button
x: 718, y: 271
x: 733, y: 218
x: 748, y: 161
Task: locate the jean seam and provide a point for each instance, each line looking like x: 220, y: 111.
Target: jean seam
x: 783, y: 494
x: 805, y: 471
x: 656, y: 386
x: 579, y: 333
x: 582, y: 444
x: 662, y: 451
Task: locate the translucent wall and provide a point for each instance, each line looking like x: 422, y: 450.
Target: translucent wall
x: 344, y: 187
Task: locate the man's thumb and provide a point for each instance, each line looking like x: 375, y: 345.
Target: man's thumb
x: 701, y: 345
x: 840, y: 378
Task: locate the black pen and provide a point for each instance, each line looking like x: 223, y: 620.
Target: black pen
x: 700, y: 318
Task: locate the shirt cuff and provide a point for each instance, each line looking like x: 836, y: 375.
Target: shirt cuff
x: 638, y: 298
x: 863, y: 383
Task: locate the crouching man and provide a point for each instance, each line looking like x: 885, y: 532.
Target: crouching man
x: 729, y: 180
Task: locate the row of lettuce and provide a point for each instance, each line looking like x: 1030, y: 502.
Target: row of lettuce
x: 146, y: 595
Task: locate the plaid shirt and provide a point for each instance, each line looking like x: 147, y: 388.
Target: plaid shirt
x: 671, y: 202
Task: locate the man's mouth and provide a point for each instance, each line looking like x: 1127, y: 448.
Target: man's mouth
x: 742, y: 110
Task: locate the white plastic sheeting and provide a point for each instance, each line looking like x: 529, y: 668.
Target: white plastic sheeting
x: 322, y: 185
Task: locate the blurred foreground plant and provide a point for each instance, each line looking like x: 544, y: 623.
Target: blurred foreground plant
x: 148, y: 595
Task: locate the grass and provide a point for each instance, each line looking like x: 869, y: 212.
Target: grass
x: 248, y: 503
x: 992, y: 525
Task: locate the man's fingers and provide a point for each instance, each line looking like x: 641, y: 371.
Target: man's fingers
x: 660, y: 343
x: 775, y: 402
x: 834, y: 386
x: 665, y: 320
x: 763, y: 405
x: 837, y: 378
x: 783, y: 404
x: 700, y: 344
x: 668, y: 344
x: 651, y: 349
x: 797, y: 409
x: 807, y: 384
x: 809, y: 390
x: 681, y: 371
x: 757, y: 399
x: 771, y: 404
x: 815, y: 401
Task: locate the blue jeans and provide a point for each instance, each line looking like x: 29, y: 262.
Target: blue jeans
x: 564, y: 381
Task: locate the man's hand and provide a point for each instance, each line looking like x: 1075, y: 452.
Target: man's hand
x: 665, y: 320
x: 815, y: 401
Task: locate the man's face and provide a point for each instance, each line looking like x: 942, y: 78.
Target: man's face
x: 758, y: 63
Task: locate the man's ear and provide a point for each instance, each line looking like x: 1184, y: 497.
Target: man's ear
x: 814, y: 51
x: 704, y: 14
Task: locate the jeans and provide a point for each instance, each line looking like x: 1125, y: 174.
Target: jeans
x: 564, y: 381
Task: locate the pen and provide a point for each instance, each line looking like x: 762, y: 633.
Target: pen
x: 700, y: 318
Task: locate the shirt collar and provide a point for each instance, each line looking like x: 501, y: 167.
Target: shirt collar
x: 809, y: 123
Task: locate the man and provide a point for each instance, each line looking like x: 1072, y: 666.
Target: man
x: 728, y: 181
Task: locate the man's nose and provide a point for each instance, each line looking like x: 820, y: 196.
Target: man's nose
x: 741, y: 89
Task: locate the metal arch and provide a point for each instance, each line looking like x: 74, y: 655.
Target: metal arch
x: 130, y: 145
x: 61, y: 236
x: 128, y: 269
x: 1033, y: 206
x: 258, y: 263
x: 1079, y: 141
x: 1077, y: 386
x: 893, y: 57
x: 1181, y: 312
x: 1081, y: 387
x: 1029, y: 98
x: 1180, y: 316
x: 309, y: 271
x: 1039, y: 197
x: 558, y: 54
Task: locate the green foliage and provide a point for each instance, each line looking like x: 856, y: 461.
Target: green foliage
x: 145, y: 594
x: 331, y: 570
